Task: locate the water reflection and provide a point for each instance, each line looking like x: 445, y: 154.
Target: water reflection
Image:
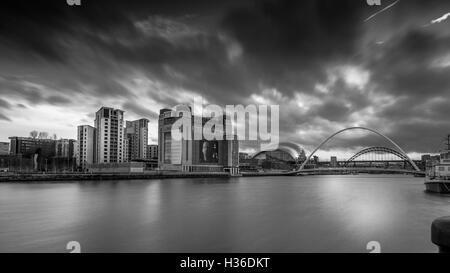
x: 266, y: 214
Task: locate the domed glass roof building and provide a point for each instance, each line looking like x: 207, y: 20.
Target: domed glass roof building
x: 289, y: 150
x: 284, y: 156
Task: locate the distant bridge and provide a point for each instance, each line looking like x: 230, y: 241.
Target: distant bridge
x: 350, y: 170
x: 378, y: 150
x: 399, y: 153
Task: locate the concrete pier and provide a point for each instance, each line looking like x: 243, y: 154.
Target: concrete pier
x: 440, y: 234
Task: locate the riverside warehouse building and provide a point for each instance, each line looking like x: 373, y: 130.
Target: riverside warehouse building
x: 194, y: 155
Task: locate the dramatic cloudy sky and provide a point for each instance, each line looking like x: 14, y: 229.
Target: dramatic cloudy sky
x: 328, y: 64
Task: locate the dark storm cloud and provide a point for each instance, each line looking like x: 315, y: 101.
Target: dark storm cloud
x: 408, y: 68
x: 341, y: 102
x: 290, y: 43
x: 411, y: 68
x: 333, y: 110
x: 13, y: 86
x: 4, y: 104
x: 58, y: 100
x: 51, y: 31
x: 197, y: 62
x: 40, y: 27
x: 229, y: 51
x: 4, y: 117
x: 286, y: 43
x: 139, y: 110
x: 406, y: 65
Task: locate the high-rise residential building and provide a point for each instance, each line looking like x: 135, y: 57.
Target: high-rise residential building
x: 86, y: 147
x: 194, y: 155
x: 152, y: 151
x: 4, y: 148
x: 110, y: 135
x: 137, y: 139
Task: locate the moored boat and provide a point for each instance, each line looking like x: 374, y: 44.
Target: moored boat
x: 440, y: 186
x: 437, y: 178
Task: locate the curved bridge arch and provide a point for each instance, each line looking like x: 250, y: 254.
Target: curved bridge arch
x: 358, y: 128
x: 377, y: 149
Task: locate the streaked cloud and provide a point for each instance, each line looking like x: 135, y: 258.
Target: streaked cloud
x: 440, y: 19
x: 380, y: 11
x: 315, y: 58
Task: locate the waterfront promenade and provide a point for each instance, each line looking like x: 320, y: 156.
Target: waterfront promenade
x: 66, y: 177
x: 55, y: 177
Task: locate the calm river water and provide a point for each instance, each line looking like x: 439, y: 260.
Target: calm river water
x: 261, y: 214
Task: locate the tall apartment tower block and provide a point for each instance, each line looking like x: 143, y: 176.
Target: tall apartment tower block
x: 137, y: 139
x: 110, y: 136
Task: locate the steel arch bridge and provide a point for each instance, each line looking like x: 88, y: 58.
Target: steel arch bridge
x: 377, y: 150
x: 400, y: 150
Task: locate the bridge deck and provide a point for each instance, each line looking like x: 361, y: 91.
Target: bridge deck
x: 356, y: 169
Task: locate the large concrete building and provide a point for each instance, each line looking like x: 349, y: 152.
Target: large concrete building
x: 136, y: 139
x: 27, y: 146
x: 194, y: 155
x: 4, y: 148
x: 169, y: 155
x: 32, y: 154
x: 86, y: 146
x: 284, y: 156
x: 110, y: 136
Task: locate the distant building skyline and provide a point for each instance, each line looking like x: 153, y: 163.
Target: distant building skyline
x: 110, y: 140
x: 341, y: 154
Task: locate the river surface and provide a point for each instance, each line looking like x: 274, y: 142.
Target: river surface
x: 258, y: 214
